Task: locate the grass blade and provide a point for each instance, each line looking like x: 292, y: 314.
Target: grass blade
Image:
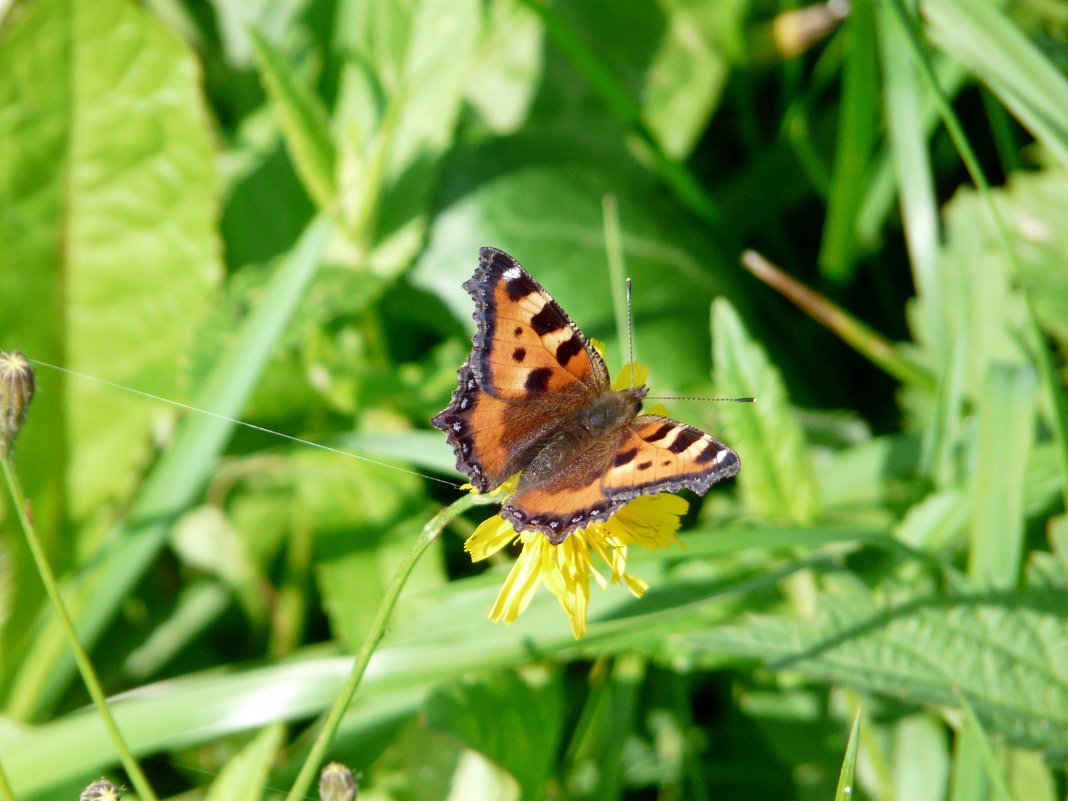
x: 846, y: 784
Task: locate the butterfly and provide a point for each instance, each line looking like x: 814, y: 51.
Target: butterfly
x: 535, y: 396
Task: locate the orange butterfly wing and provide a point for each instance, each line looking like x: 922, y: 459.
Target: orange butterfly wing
x: 533, y: 386
x: 529, y: 370
x: 652, y: 454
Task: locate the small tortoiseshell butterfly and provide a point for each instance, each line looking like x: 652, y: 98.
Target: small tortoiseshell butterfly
x: 535, y: 396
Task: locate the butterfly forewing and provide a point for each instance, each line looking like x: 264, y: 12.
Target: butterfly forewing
x: 526, y: 345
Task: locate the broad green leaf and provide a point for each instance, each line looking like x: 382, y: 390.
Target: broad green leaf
x: 513, y: 721
x: 303, y: 121
x: 108, y: 250
x: 244, y: 776
x: 171, y: 487
x: 998, y: 650
x: 108, y: 255
x: 998, y: 52
x: 776, y: 477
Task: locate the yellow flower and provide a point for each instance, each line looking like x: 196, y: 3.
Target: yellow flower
x: 565, y: 569
x: 650, y: 521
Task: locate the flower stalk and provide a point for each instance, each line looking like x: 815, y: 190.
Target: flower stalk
x: 330, y: 724
x: 16, y: 392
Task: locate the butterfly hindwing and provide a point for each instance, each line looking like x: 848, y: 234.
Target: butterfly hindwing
x: 652, y: 454
x: 659, y: 454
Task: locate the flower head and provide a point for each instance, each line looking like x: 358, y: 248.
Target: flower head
x: 16, y: 392
x: 650, y: 521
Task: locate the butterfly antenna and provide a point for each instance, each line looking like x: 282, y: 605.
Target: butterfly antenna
x: 630, y: 334
x: 692, y: 398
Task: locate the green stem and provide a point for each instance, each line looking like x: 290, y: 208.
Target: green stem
x: 430, y: 531
x: 81, y: 658
x: 865, y: 340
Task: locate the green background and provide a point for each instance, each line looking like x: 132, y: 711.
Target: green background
x: 265, y: 210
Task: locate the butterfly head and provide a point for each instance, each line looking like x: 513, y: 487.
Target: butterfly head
x: 611, y: 410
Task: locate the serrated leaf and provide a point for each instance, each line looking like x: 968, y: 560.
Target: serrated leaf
x: 776, y: 477
x: 245, y: 775
x: 303, y: 120
x: 1000, y: 651
x: 507, y: 719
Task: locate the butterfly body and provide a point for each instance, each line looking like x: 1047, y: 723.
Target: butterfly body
x: 534, y: 396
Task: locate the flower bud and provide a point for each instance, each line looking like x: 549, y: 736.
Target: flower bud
x: 16, y: 392
x: 796, y: 31
x: 100, y: 790
x: 336, y: 783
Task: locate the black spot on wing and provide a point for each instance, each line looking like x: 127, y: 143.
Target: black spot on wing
x: 547, y: 320
x: 660, y: 433
x: 519, y: 354
x: 520, y: 287
x: 709, y: 452
x: 624, y: 457
x: 538, y: 379
x: 518, y: 330
x: 567, y: 349
x: 644, y: 465
x: 686, y: 438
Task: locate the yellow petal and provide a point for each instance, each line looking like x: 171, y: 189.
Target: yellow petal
x: 635, y: 585
x: 624, y: 379
x: 520, y: 585
x: 649, y: 521
x: 491, y: 535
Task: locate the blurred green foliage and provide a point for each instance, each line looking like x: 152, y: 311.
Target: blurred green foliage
x: 266, y: 210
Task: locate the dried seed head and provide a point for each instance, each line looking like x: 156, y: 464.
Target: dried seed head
x: 100, y: 790
x: 336, y: 783
x: 16, y: 392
